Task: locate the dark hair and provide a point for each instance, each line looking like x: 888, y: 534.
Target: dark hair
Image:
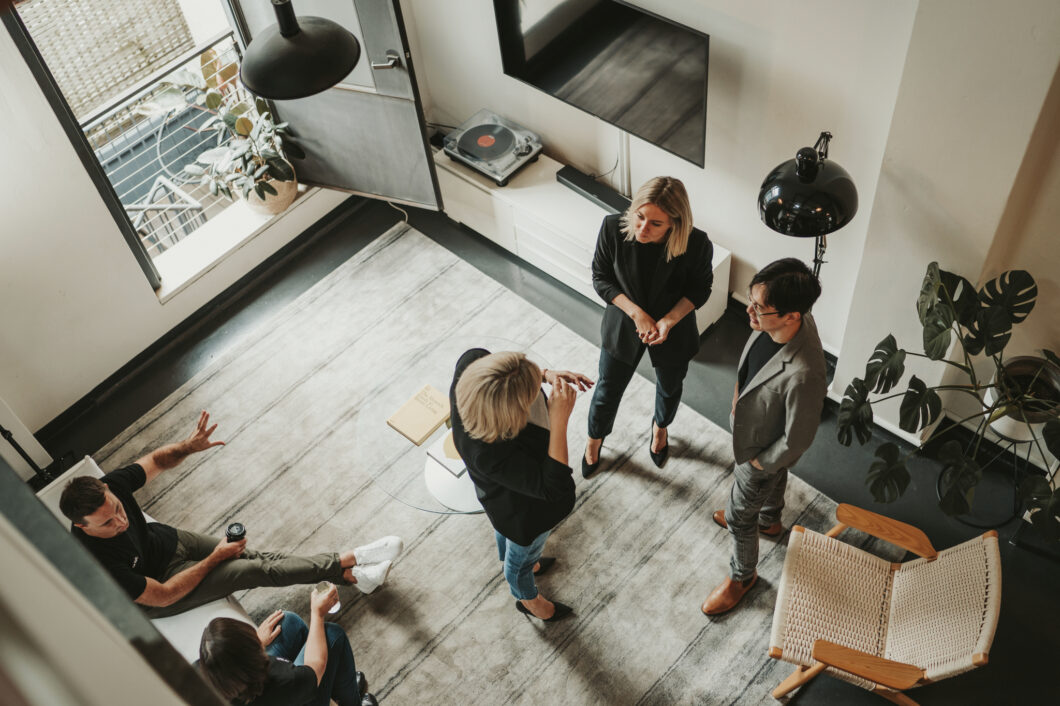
x: 790, y: 285
x: 232, y: 659
x: 82, y: 496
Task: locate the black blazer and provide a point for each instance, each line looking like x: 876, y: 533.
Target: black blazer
x: 524, y: 491
x: 690, y: 275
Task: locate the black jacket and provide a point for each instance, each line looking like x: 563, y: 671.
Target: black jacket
x: 690, y: 275
x: 524, y: 491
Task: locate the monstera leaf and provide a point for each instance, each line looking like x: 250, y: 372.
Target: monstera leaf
x: 1051, y: 435
x: 960, y: 475
x: 962, y: 295
x: 937, y: 333
x: 886, y: 366
x: 990, y: 331
x: 855, y: 414
x: 929, y: 292
x: 921, y: 406
x: 888, y: 477
x: 1014, y: 292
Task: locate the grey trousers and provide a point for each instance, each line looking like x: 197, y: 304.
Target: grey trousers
x: 250, y: 570
x: 756, y: 499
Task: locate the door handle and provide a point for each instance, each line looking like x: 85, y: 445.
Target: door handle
x: 393, y: 61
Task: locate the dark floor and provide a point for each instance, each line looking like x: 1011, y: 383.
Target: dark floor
x: 1025, y: 648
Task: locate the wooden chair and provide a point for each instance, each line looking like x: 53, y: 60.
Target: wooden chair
x: 884, y: 626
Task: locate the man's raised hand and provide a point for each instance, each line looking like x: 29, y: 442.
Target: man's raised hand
x: 200, y: 438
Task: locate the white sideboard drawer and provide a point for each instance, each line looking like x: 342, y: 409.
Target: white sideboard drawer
x: 570, y: 245
x: 477, y: 209
x: 542, y: 255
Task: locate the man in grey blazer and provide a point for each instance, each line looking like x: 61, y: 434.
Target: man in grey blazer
x: 776, y: 408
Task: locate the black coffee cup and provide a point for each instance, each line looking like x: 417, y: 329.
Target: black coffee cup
x: 236, y: 532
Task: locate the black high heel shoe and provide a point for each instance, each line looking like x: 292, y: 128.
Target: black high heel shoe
x: 562, y: 611
x: 658, y: 457
x: 590, y: 468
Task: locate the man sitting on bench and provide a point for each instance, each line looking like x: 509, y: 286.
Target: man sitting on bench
x: 168, y: 570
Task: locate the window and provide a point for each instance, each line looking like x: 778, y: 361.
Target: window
x: 134, y: 75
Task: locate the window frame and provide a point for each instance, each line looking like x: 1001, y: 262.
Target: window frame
x: 50, y: 88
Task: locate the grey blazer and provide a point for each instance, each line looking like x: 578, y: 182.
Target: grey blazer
x: 777, y: 413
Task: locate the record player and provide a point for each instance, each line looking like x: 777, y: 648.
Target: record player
x: 492, y: 145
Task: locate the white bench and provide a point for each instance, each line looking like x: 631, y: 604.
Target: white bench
x: 184, y: 631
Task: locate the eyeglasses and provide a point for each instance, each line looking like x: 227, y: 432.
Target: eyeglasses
x: 758, y: 309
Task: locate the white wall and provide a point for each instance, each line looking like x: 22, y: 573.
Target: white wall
x: 780, y: 73
x: 970, y: 98
x: 74, y: 304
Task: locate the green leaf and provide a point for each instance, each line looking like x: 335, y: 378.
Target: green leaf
x: 239, y: 108
x: 243, y: 126
x: 1051, y: 435
x: 1036, y: 490
x: 961, y: 295
x: 259, y: 189
x: 886, y: 366
x: 958, y: 479
x: 1045, y: 519
x: 990, y: 332
x: 213, y: 100
x: 247, y: 186
x: 855, y: 414
x: 937, y: 334
x: 194, y: 170
x: 260, y: 172
x: 267, y: 188
x: 214, y: 188
x: 1014, y: 292
x: 280, y: 170
x: 929, y: 292
x: 230, y: 121
x: 260, y: 105
x: 270, y: 154
x: 888, y: 477
x: 921, y: 406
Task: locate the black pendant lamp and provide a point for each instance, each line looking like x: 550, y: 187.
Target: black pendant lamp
x: 808, y: 197
x: 298, y: 57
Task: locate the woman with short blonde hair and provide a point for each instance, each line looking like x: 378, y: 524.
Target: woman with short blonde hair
x: 513, y: 441
x: 653, y: 269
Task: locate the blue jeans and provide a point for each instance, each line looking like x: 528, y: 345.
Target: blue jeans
x: 340, y: 675
x: 611, y: 384
x: 519, y: 563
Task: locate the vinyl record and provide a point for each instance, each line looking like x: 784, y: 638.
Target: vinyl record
x: 486, y: 141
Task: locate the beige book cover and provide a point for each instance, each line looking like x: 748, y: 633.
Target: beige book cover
x: 422, y: 415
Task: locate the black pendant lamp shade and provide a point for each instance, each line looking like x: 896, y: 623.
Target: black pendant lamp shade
x: 298, y: 57
x: 808, y: 196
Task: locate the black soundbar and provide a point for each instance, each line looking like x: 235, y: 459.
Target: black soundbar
x: 600, y: 194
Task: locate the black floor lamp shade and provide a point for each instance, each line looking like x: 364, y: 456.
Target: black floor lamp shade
x: 808, y: 196
x: 298, y: 57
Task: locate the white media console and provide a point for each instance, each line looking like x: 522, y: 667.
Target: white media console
x: 548, y: 225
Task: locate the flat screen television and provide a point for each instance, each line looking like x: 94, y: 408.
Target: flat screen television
x: 638, y: 71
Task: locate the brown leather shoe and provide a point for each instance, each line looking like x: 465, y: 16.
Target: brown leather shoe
x: 774, y: 530
x: 725, y: 597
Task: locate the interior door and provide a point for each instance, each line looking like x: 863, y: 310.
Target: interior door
x: 367, y: 134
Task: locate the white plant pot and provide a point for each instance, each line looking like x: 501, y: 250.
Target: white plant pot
x: 272, y: 204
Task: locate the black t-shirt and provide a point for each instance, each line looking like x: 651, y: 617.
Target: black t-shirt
x: 144, y: 549
x: 646, y: 258
x: 762, y: 350
x: 285, y: 685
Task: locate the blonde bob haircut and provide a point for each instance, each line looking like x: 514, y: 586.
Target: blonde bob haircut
x: 669, y: 195
x: 494, y: 395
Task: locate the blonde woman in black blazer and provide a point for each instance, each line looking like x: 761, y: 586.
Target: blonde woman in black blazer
x: 653, y: 269
x: 513, y: 441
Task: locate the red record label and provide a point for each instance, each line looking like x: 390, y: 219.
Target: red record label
x: 486, y: 141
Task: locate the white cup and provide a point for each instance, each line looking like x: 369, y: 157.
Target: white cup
x: 324, y: 587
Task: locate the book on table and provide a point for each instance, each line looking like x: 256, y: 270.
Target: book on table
x: 418, y: 418
x: 444, y: 453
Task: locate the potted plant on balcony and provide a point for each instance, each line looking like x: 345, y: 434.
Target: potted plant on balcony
x: 1022, y: 391
x: 251, y: 158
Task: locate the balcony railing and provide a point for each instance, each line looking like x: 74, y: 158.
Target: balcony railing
x: 147, y: 135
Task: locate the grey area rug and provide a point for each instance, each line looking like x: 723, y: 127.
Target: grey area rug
x: 310, y: 465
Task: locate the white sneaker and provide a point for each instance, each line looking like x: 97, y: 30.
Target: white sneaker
x: 370, y: 577
x: 385, y: 549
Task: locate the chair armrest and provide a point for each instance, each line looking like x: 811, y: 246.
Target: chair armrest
x: 896, y: 675
x: 898, y: 533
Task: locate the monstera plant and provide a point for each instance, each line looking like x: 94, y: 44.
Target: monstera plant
x: 1023, y: 390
